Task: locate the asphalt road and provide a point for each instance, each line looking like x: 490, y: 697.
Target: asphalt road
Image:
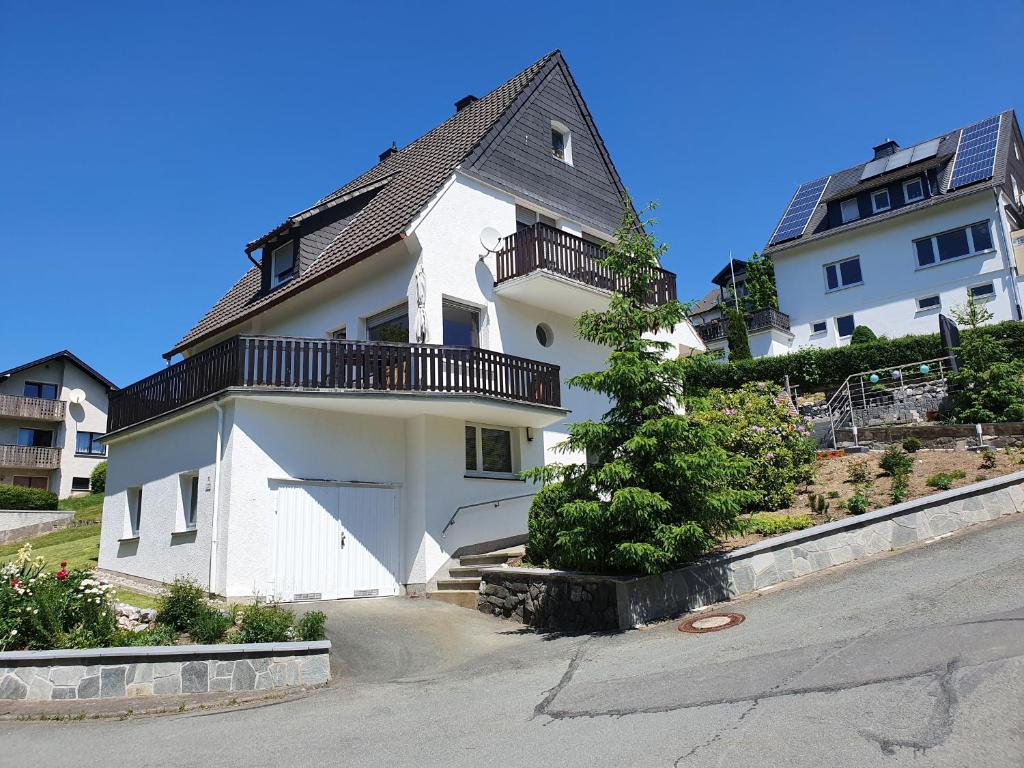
x: 915, y: 658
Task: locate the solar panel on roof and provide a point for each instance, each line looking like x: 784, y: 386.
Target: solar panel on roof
x: 874, y: 168
x: 976, y: 153
x: 926, y: 150
x: 795, y: 219
x: 899, y: 159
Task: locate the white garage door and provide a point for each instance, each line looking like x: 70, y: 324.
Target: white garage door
x: 335, y: 541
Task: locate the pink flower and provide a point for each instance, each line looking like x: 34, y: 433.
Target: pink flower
x: 61, y: 575
x: 15, y: 581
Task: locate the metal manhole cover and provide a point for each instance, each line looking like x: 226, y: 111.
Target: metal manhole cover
x: 701, y: 624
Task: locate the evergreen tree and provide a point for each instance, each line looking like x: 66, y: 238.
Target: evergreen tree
x: 760, y: 283
x: 736, y: 335
x: 658, y: 489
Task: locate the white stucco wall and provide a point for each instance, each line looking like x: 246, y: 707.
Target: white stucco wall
x: 886, y: 301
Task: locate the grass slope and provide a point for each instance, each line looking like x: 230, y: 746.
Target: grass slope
x: 79, y: 546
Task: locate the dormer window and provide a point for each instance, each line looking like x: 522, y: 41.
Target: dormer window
x: 913, y: 190
x: 561, y: 142
x: 282, y: 264
x: 880, y: 201
x: 849, y: 209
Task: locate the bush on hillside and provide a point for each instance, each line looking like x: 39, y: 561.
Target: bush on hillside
x: 863, y: 335
x: 182, y: 604
x: 98, y: 478
x: 19, y: 497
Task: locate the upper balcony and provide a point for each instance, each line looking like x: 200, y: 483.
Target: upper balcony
x: 29, y: 457
x: 759, y: 320
x: 37, y: 408
x: 559, y: 271
x: 369, y: 377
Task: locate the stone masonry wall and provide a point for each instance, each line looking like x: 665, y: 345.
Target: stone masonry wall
x: 546, y: 599
x: 141, y: 672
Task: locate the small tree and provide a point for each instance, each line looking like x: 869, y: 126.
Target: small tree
x: 736, y: 334
x: 658, y: 488
x: 760, y: 283
x: 863, y: 335
x: 972, y: 314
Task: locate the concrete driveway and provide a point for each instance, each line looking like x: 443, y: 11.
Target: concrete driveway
x: 915, y: 658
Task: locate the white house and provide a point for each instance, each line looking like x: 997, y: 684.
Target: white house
x: 355, y: 410
x: 53, y: 412
x: 893, y: 241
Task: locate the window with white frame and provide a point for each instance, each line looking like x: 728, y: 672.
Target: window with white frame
x: 880, y: 201
x: 489, y: 451
x: 849, y: 209
x: 338, y: 334
x: 843, y: 274
x: 845, y: 325
x: 134, y: 511
x: 954, y: 244
x: 982, y: 292
x: 820, y: 328
x: 561, y: 142
x: 913, y: 190
x: 189, y: 485
x: 925, y: 303
x: 282, y: 263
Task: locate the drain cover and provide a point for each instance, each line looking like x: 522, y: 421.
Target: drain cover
x: 700, y: 624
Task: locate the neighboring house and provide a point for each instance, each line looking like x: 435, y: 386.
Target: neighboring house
x: 53, y: 412
x: 911, y: 232
x: 767, y: 329
x: 355, y: 410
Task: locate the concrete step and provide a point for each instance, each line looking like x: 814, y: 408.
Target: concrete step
x: 488, y: 558
x: 446, y: 585
x: 464, y: 598
x: 464, y: 572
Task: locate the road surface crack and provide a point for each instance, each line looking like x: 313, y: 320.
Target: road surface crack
x: 551, y: 694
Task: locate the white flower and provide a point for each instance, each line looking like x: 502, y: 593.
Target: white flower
x: 14, y: 632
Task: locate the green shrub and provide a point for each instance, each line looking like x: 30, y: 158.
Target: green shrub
x: 98, y: 478
x: 736, y: 335
x: 858, y: 504
x: 834, y: 494
x: 895, y: 461
x: 41, y: 609
x: 265, y: 623
x: 160, y: 634
x: 900, y: 488
x: 768, y: 524
x: 911, y: 444
x: 988, y: 458
x: 945, y: 480
x: 19, y: 497
x: 863, y: 335
x: 182, y: 604
x: 859, y: 472
x: 991, y: 395
x: 209, y: 625
x: 819, y: 504
x: 761, y: 426
x: 312, y: 626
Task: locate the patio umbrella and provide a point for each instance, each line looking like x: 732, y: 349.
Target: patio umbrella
x: 421, y: 301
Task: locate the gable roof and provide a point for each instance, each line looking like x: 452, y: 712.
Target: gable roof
x: 407, y: 180
x: 64, y: 354
x: 847, y: 183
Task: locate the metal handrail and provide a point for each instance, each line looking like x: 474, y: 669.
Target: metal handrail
x: 495, y: 502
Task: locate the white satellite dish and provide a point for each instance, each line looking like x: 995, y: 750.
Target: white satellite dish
x: 77, y: 396
x: 490, y: 239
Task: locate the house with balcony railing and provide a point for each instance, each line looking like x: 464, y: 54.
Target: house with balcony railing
x: 354, y: 413
x: 53, y: 412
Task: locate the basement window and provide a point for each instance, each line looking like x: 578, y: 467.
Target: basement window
x: 561, y: 142
x: 819, y: 328
x: 134, y: 512
x: 929, y: 302
x: 79, y: 483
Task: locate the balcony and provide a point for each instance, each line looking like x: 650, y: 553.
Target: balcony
x: 440, y: 377
x: 759, y: 320
x: 15, y: 406
x: 29, y: 457
x: 556, y: 270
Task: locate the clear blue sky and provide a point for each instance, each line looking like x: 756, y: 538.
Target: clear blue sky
x: 143, y: 146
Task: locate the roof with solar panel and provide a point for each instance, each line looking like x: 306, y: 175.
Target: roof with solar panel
x: 953, y: 165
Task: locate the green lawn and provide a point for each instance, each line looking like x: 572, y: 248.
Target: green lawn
x: 79, y: 546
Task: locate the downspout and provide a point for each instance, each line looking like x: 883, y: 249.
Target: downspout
x: 216, y: 498
x: 1007, y: 250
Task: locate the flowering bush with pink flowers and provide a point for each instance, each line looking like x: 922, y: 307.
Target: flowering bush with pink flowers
x: 53, y: 609
x: 763, y: 426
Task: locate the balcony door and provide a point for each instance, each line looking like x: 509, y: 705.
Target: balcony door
x: 35, y: 438
x: 461, y: 324
x: 392, y: 325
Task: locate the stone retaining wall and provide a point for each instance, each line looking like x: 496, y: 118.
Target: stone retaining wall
x: 937, y: 435
x: 104, y: 673
x: 18, y: 525
x: 576, y: 602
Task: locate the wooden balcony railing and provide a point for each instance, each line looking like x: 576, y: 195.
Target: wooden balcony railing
x: 542, y: 247
x: 31, y: 408
x: 279, y: 362
x: 29, y: 457
x: 757, y: 320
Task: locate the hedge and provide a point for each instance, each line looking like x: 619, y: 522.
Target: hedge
x: 816, y: 370
x: 19, y: 497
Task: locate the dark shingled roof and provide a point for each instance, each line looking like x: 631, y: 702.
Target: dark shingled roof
x: 64, y: 354
x: 410, y: 178
x: 847, y: 183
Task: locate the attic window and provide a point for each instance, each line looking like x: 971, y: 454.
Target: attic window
x: 849, y: 209
x: 561, y: 142
x: 282, y: 263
